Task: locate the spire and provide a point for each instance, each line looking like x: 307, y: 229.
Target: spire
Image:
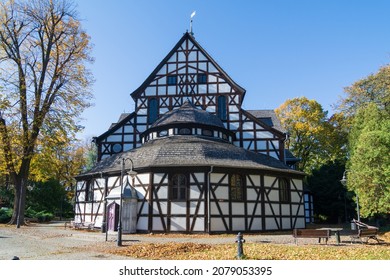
x: 192, y: 16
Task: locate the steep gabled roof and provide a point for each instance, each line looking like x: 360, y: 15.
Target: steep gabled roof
x: 124, y: 118
x: 268, y: 117
x: 187, y: 36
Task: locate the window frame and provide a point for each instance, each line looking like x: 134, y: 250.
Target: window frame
x: 171, y: 80
x: 236, y: 191
x: 222, y: 107
x: 284, y: 190
x: 201, y: 78
x: 181, y: 188
x: 89, y: 191
x: 152, y: 110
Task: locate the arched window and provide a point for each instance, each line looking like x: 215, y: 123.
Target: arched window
x: 179, y: 187
x: 221, y: 112
x: 236, y: 184
x: 284, y: 191
x: 152, y: 110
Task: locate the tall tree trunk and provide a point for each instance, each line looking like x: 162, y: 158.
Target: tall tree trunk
x: 20, y: 184
x: 19, y: 201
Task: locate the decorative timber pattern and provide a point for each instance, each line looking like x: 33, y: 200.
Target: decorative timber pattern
x: 188, y: 72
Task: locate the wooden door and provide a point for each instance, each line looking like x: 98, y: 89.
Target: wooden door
x: 113, y: 216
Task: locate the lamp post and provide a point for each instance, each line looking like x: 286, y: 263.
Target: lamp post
x: 343, y: 181
x: 132, y: 173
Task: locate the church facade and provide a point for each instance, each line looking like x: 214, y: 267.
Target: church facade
x: 198, y: 161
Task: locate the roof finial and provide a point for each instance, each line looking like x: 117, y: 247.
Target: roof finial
x: 192, y: 15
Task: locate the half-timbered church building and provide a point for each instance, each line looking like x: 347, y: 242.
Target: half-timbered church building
x: 189, y: 158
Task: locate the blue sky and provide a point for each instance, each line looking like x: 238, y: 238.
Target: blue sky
x: 276, y: 50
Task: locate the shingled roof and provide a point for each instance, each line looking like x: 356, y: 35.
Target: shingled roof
x: 188, y: 113
x: 190, y: 151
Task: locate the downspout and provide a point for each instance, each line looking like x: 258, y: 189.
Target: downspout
x: 208, y: 198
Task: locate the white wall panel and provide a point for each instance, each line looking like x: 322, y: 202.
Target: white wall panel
x: 286, y: 223
x: 162, y: 193
x: 268, y: 181
x: 256, y: 224
x: 222, y: 193
x: 238, y: 224
x: 178, y: 223
x: 199, y: 223
x: 193, y: 206
x: 217, y: 224
x: 285, y: 209
x: 142, y: 223
x: 157, y: 225
x: 215, y: 178
x: 178, y: 208
x: 238, y: 208
x: 270, y: 224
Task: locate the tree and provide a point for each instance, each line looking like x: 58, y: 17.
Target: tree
x: 374, y: 88
x: 45, y: 83
x: 331, y: 198
x: 312, y: 137
x: 369, y: 163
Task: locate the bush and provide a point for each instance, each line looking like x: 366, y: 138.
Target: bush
x: 44, y: 216
x: 41, y: 216
x: 5, y: 215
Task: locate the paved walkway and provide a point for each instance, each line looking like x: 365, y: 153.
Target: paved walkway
x: 53, y: 241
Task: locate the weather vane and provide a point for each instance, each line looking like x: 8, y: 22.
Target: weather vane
x: 192, y: 16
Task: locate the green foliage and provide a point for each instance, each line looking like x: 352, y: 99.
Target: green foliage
x: 42, y: 216
x: 49, y: 197
x: 43, y: 56
x: 6, y: 196
x: 374, y: 88
x: 5, y: 215
x: 313, y: 137
x: 332, y: 202
x: 369, y: 164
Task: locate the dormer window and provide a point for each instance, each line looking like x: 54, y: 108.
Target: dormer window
x: 184, y: 131
x: 172, y: 80
x: 207, y: 132
x: 163, y: 133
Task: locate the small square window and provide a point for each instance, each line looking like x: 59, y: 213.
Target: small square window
x: 202, y: 78
x: 172, y: 80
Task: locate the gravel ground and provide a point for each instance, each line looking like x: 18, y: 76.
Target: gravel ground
x: 52, y: 242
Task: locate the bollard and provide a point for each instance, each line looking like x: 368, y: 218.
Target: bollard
x: 240, y: 250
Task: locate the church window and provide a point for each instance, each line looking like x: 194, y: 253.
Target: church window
x: 172, y: 80
x: 236, y: 185
x: 284, y: 190
x: 179, y: 187
x: 221, y: 112
x: 152, y: 110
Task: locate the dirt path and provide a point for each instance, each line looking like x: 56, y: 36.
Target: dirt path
x: 52, y: 241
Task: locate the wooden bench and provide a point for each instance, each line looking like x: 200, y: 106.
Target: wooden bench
x: 312, y: 233
x: 367, y: 233
x: 80, y: 225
